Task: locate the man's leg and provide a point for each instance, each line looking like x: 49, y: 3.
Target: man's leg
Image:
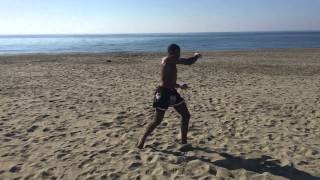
x: 158, y: 117
x: 185, y: 117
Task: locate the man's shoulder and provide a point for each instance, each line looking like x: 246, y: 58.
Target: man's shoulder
x: 168, y: 60
x: 164, y: 60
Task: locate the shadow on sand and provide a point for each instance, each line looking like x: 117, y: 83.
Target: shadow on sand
x: 258, y: 165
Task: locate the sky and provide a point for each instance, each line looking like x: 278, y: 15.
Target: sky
x: 156, y: 16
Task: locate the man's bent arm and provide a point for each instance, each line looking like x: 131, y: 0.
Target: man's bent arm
x: 188, y: 61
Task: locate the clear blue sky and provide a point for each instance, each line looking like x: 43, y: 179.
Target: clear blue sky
x: 139, y: 16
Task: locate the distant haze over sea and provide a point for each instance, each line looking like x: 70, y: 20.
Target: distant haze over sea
x: 102, y: 43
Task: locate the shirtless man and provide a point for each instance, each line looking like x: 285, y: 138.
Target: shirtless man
x: 166, y: 94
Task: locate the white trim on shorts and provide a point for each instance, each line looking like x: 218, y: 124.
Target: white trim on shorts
x: 161, y: 109
x: 174, y: 105
x: 178, y: 104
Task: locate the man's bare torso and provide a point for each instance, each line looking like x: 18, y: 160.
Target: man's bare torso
x: 168, y: 74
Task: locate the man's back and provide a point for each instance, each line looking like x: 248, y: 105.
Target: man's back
x: 168, y: 73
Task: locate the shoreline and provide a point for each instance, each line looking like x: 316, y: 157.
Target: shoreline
x: 158, y: 52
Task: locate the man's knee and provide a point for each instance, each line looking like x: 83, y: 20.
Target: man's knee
x: 186, y: 116
x: 157, y: 122
x: 158, y: 117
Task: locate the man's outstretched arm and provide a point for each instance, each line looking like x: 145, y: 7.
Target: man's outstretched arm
x: 189, y: 61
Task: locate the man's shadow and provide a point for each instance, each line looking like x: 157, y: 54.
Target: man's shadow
x: 258, y: 165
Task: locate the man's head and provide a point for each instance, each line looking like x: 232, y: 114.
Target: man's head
x: 174, y: 50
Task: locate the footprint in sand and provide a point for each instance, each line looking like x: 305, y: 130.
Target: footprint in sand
x: 15, y: 169
x: 45, y: 129
x: 105, y: 125
x: 114, y: 175
x: 32, y: 128
x: 61, y: 155
x: 84, y: 162
x: 45, y: 174
x: 10, y: 134
x: 135, y: 165
x: 41, y: 117
x: 96, y: 143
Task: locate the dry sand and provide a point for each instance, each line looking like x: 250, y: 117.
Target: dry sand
x: 255, y: 115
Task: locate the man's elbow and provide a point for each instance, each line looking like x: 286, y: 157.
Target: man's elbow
x: 191, y: 62
x: 188, y: 63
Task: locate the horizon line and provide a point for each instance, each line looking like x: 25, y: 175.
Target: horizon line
x: 138, y: 33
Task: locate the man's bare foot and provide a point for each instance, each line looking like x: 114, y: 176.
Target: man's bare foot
x: 186, y: 148
x: 140, y: 144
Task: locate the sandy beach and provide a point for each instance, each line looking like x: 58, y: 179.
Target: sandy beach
x: 254, y: 115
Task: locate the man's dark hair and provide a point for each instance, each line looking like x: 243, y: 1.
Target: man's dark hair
x: 173, y: 48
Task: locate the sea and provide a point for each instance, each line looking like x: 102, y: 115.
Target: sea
x: 156, y: 42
